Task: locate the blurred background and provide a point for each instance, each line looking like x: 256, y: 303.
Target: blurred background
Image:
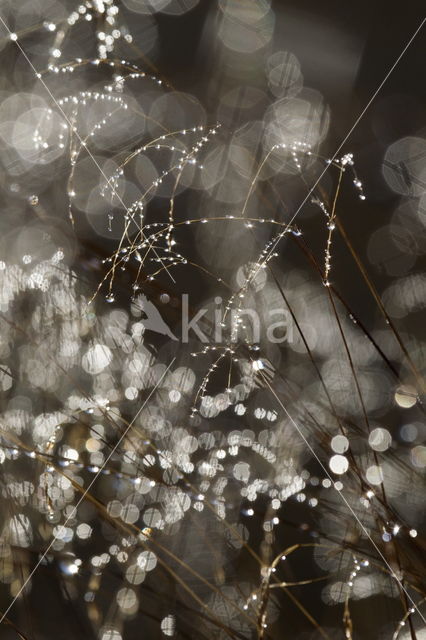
x: 189, y: 133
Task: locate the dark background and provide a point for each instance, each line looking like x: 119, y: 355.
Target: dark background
x: 345, y: 51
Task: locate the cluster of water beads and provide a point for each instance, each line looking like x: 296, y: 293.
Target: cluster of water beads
x: 103, y: 14
x: 346, y: 160
x: 234, y: 304
x: 266, y: 255
x: 188, y: 157
x: 77, y: 101
x: 341, y: 164
x: 80, y: 100
x: 235, y: 301
x: 98, y: 12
